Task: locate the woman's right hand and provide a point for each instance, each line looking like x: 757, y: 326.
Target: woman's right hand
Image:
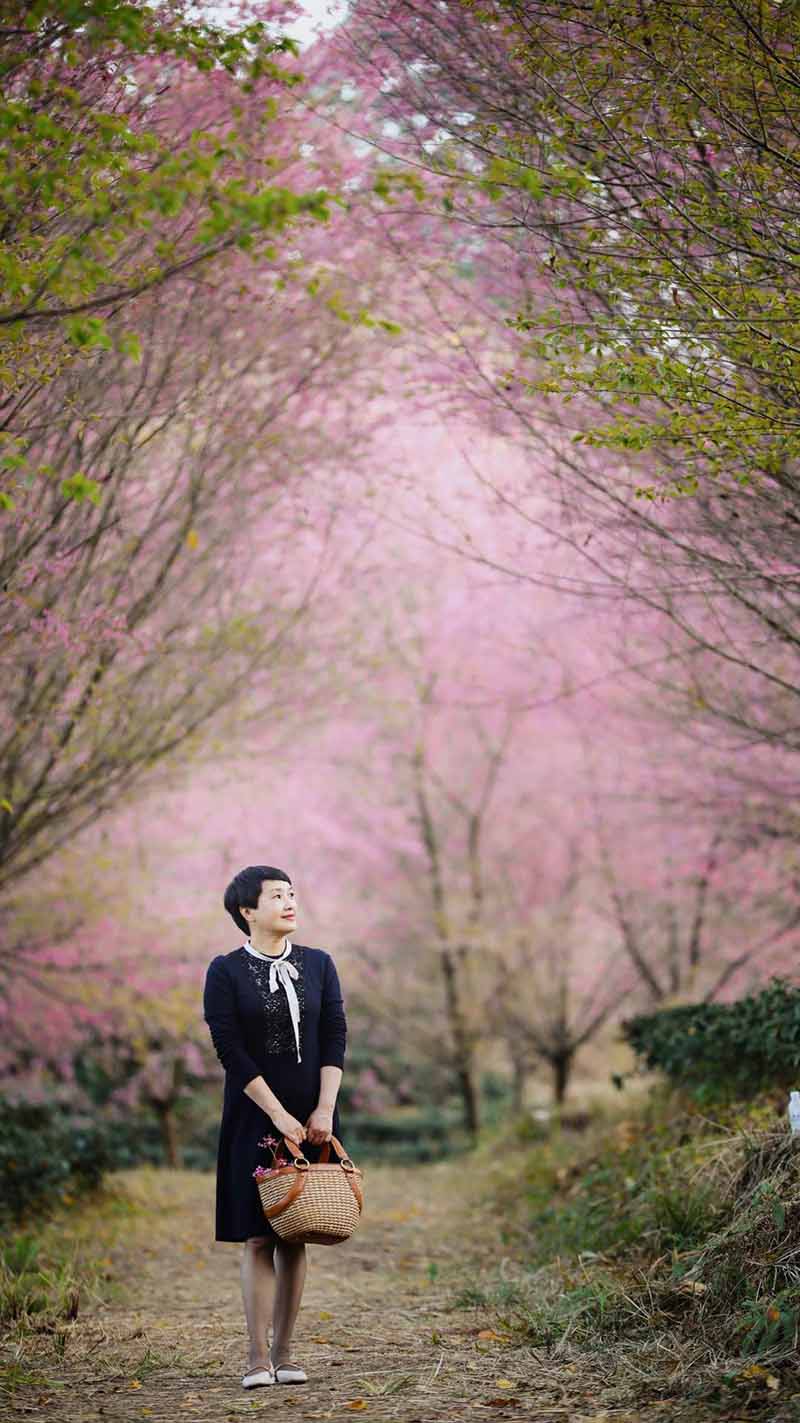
x: 287, y: 1125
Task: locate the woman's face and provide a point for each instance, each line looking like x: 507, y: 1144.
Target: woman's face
x: 277, y: 908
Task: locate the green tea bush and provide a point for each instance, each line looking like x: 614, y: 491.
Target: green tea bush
x: 46, y: 1153
x: 426, y: 1133
x: 724, y: 1050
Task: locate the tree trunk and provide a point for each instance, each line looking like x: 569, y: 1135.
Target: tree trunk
x: 465, y: 1071
x: 165, y: 1112
x: 469, y: 1096
x: 561, y: 1064
x: 518, y: 1080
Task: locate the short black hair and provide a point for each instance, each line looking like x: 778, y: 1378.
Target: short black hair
x: 244, y: 891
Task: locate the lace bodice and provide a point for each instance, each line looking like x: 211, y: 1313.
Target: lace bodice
x: 278, y: 1031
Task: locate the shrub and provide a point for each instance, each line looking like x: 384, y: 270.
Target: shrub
x: 724, y: 1050
x: 407, y: 1135
x: 45, y: 1153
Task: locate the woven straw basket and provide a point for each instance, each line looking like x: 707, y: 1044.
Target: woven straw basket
x: 314, y: 1203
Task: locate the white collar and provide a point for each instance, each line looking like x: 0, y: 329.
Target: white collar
x: 269, y: 958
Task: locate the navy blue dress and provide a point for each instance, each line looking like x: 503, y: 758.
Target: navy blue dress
x: 252, y: 1033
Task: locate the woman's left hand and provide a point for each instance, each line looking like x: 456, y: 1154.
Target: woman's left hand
x: 320, y: 1125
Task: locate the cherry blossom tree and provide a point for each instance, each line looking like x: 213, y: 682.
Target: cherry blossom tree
x: 97, y: 173
x: 627, y: 347
x: 147, y: 590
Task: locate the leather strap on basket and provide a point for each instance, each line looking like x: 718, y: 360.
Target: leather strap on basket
x: 291, y: 1195
x: 297, y: 1154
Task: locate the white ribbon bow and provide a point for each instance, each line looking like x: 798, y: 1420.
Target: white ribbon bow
x: 281, y: 974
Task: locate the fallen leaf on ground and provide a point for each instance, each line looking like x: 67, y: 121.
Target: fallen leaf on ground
x: 756, y: 1372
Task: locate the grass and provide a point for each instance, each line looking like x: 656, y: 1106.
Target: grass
x: 54, y: 1270
x: 665, y: 1238
x: 50, y: 1268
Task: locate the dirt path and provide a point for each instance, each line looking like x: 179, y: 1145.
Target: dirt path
x: 383, y: 1331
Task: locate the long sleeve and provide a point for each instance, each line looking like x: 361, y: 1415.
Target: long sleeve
x: 219, y: 1011
x: 332, y: 1022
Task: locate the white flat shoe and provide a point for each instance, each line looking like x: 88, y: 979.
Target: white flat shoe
x: 257, y: 1378
x: 290, y: 1373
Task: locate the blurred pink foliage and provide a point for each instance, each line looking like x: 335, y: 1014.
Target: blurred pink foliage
x: 458, y: 621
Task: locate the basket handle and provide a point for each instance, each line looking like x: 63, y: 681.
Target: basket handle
x: 325, y: 1153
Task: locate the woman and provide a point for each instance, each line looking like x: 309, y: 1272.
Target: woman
x: 276, y: 1016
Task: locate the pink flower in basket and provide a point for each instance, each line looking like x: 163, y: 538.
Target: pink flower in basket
x: 262, y: 1172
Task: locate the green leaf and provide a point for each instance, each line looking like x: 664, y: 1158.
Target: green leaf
x: 88, y: 332
x: 129, y: 345
x: 78, y: 488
